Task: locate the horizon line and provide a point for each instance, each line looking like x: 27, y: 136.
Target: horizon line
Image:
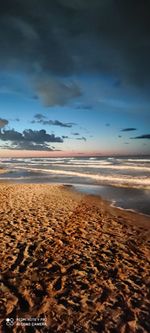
x: 40, y: 154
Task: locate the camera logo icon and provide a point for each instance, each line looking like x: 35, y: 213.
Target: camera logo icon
x: 9, y: 322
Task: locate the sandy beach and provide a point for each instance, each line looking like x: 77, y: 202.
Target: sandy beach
x: 70, y: 263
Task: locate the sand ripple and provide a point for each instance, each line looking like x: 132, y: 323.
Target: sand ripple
x: 70, y: 259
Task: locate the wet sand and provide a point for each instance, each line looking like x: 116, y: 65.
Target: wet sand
x: 72, y: 260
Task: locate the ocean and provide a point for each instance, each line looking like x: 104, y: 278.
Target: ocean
x: 124, y: 181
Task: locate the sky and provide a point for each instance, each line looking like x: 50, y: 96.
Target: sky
x: 74, y: 77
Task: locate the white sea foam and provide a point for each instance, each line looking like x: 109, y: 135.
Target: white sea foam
x: 138, y: 160
x: 106, y: 166
x: 92, y: 158
x: 109, y: 179
x: 89, y: 163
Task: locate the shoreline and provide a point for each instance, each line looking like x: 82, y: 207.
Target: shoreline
x: 110, y: 202
x: 136, y: 217
x: 76, y: 185
x: 130, y: 210
x: 72, y: 259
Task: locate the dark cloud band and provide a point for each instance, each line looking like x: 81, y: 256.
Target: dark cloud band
x: 66, y: 37
x: 40, y: 119
x: 29, y: 139
x: 144, y: 136
x: 129, y: 129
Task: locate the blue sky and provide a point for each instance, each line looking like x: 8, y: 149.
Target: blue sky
x: 98, y: 115
x: 68, y: 86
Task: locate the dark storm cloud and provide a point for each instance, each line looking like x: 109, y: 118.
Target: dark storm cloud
x: 144, y: 136
x: 29, y: 146
x: 3, y: 122
x: 81, y: 139
x: 57, y: 123
x: 29, y: 139
x: 65, y: 136
x: 129, y: 129
x: 40, y: 136
x: 41, y: 120
x: 10, y: 135
x: 39, y: 116
x: 66, y: 37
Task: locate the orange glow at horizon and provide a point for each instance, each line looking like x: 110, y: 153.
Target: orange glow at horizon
x: 32, y: 153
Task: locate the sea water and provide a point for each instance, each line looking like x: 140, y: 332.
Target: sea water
x: 125, y: 181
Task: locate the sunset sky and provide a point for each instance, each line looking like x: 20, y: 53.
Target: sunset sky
x: 74, y: 77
